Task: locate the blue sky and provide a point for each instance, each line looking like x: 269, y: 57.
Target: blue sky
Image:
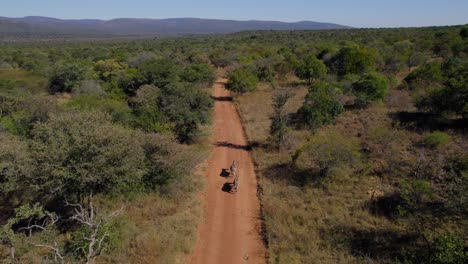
x: 358, y: 13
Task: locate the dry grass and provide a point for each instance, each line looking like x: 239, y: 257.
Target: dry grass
x: 330, y: 221
x: 24, y: 81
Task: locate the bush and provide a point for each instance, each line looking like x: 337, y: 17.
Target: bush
x: 78, y: 245
x: 186, y: 108
x: 159, y: 72
x: 450, y: 97
x: 117, y: 109
x: 310, y: 69
x: 266, y: 73
x: 371, y: 87
x: 353, y: 59
x: 108, y: 69
x: 436, y: 139
x: 89, y: 87
x: 320, y: 107
x: 449, y: 249
x: 146, y: 108
x: 327, y: 151
x: 428, y: 74
x: 15, y: 165
x: 199, y: 73
x: 79, y: 152
x: 242, y: 80
x: 66, y: 76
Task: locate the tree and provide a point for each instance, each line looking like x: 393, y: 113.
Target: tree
x: 8, y: 235
x: 16, y: 168
x: 186, y: 108
x: 371, y: 87
x: 79, y: 152
x: 266, y: 73
x: 92, y: 240
x: 353, y: 59
x: 242, y: 80
x: 146, y: 108
x: 414, y: 194
x: 311, y: 69
x: 429, y: 74
x: 449, y: 93
x: 199, y: 73
x: 415, y: 58
x: 320, y: 107
x: 108, y: 69
x: 159, y: 72
x: 65, y: 76
x: 279, y: 119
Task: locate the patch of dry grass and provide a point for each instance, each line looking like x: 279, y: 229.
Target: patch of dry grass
x: 330, y: 221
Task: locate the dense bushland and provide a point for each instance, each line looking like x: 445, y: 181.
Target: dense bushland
x: 359, y: 136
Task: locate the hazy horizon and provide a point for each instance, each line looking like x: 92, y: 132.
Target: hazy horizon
x: 364, y: 14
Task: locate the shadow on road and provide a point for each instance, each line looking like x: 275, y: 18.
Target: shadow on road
x: 224, y: 173
x: 234, y: 146
x: 227, y: 187
x: 222, y: 98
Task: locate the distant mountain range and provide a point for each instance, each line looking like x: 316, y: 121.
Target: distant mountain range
x: 147, y: 27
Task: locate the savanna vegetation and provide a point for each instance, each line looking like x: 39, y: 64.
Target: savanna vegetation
x: 359, y: 137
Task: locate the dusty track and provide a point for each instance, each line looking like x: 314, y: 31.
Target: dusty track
x: 231, y: 229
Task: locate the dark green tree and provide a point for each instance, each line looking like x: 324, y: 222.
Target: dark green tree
x: 449, y: 95
x: 65, y: 76
x: 429, y: 74
x: 82, y: 152
x: 187, y: 108
x: 371, y: 87
x: 353, y: 59
x: 199, y: 73
x: 159, y: 72
x: 242, y: 80
x: 321, y: 106
x: 279, y: 120
x: 311, y: 69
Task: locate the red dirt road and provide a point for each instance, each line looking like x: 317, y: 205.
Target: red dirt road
x: 231, y: 229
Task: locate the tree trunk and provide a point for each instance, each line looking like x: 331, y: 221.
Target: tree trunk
x: 12, y: 252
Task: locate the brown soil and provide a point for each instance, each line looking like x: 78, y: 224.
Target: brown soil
x: 231, y: 231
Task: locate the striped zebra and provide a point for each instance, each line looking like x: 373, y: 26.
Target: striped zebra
x: 234, y: 168
x: 235, y: 183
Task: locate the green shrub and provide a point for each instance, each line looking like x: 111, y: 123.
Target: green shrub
x: 353, y: 59
x: 17, y: 123
x: 449, y: 249
x: 186, y: 108
x: 145, y: 106
x: 266, y: 73
x: 82, y: 152
x: 311, y: 69
x: 428, y: 74
x: 371, y: 87
x: 242, y: 80
x: 436, y: 139
x: 66, y: 76
x: 320, y: 107
x: 199, y: 73
x: 77, y: 246
x: 118, y: 109
x: 450, y: 96
x: 159, y: 72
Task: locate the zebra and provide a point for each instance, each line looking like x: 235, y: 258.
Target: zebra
x: 234, y: 168
x: 235, y: 183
